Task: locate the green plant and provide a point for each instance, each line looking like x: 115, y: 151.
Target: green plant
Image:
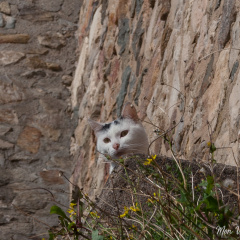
x: 169, y: 209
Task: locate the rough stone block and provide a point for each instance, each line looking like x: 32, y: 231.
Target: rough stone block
x: 25, y: 5
x: 10, y: 93
x: 52, y: 40
x: 5, y: 7
x: 54, y: 66
x: 29, y: 139
x: 52, y: 105
x: 14, y: 38
x: 51, y: 177
x: 10, y: 57
x: 8, y: 116
x: 30, y: 201
x: 38, y: 17
x: 52, y: 6
x: 36, y: 62
x: 9, y: 22
x: 5, y: 144
x: 22, y: 156
x: 71, y: 10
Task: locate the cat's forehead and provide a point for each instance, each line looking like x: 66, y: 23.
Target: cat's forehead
x: 117, y: 125
x: 107, y: 126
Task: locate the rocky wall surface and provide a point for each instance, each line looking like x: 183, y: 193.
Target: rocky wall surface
x: 157, y: 55
x: 37, y: 63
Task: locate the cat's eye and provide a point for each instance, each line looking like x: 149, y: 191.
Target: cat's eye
x: 106, y: 140
x: 124, y: 133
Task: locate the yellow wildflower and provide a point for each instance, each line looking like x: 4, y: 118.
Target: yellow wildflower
x: 126, y: 209
x: 209, y: 144
x: 72, y: 205
x: 154, y: 198
x: 150, y: 200
x: 71, y: 209
x: 94, y: 215
x: 149, y: 160
x: 135, y: 208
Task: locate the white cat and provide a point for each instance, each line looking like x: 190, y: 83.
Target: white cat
x: 123, y: 136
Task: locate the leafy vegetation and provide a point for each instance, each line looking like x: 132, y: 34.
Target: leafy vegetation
x: 175, y: 209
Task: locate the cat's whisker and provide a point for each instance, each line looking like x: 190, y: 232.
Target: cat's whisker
x: 130, y: 149
x: 136, y: 144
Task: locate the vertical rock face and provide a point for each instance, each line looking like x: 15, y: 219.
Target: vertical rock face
x: 37, y: 62
x: 157, y: 55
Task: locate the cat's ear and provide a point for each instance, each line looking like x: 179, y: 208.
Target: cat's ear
x: 96, y: 126
x: 129, y: 111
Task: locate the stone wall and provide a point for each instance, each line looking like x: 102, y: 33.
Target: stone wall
x: 37, y: 63
x: 157, y: 55
x: 153, y: 53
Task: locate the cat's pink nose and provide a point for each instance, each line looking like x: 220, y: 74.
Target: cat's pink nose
x: 116, y: 146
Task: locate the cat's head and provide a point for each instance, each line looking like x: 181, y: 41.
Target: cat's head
x: 123, y: 136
